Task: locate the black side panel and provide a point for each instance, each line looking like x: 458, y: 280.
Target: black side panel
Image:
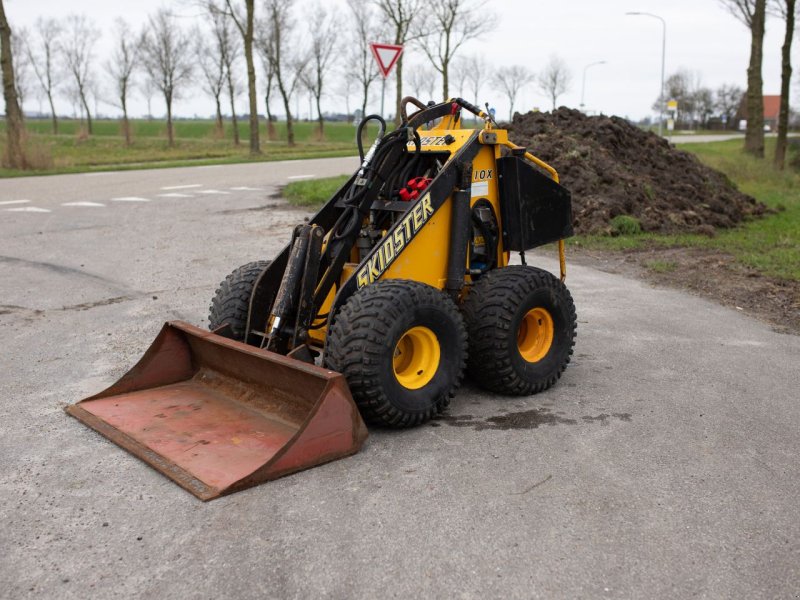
x: 535, y: 209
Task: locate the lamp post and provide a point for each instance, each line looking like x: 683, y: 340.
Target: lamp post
x: 662, y: 99
x: 583, y: 85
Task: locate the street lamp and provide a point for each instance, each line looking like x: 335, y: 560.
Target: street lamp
x: 583, y: 85
x: 662, y: 99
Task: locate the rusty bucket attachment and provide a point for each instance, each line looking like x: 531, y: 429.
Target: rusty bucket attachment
x: 218, y: 416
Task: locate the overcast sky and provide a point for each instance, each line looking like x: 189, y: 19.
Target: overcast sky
x: 701, y: 36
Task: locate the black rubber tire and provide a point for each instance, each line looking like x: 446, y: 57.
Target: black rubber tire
x: 494, y: 309
x: 362, y: 340
x: 232, y: 300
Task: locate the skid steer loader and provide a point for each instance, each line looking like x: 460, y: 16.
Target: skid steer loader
x: 399, y: 285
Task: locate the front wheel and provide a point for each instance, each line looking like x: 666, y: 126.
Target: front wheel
x: 521, y: 323
x: 231, y: 301
x: 402, y: 347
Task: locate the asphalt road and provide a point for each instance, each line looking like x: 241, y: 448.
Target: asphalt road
x: 691, y: 138
x: 683, y: 138
x: 663, y: 465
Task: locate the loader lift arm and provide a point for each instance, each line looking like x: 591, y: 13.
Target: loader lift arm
x: 341, y: 219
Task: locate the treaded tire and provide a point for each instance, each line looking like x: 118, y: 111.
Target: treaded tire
x: 361, y: 345
x: 494, y: 310
x: 232, y: 299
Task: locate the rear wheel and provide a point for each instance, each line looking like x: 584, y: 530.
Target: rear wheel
x: 402, y: 346
x: 521, y: 323
x: 232, y: 300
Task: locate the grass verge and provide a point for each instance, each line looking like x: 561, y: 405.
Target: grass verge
x: 314, y: 192
x: 196, y: 143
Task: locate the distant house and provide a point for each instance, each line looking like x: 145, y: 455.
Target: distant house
x: 772, y: 107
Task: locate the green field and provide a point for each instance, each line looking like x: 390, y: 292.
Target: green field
x: 770, y: 244
x: 196, y: 142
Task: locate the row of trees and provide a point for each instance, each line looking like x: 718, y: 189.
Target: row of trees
x: 553, y: 81
x: 753, y: 14
x: 698, y: 105
x: 58, y: 58
x: 279, y: 48
x: 295, y: 53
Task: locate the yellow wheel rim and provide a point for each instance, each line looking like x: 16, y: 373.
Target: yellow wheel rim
x: 535, y: 335
x: 416, y: 358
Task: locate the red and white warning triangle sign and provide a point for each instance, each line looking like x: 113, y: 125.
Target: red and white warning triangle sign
x: 386, y: 56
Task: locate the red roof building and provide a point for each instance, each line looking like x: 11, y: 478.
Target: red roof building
x: 772, y: 106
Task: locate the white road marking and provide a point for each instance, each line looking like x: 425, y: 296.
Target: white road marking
x: 182, y: 187
x: 301, y: 177
x: 83, y: 204
x: 212, y: 192
x: 7, y: 202
x: 244, y: 188
x: 130, y: 199
x: 27, y: 209
x: 175, y: 195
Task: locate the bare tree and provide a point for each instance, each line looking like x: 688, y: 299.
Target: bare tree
x: 704, y: 106
x: 15, y: 127
x: 276, y: 32
x: 727, y: 100
x: 22, y: 65
x: 477, y: 74
x: 363, y: 26
x: 147, y: 88
x: 682, y: 87
x: 167, y: 58
x: 510, y: 80
x: 70, y: 92
x: 244, y: 19
x: 230, y: 56
x: 401, y: 16
x: 786, y: 9
x: 42, y: 54
x: 269, y: 87
x: 120, y: 67
x: 212, y: 68
x: 555, y: 79
x: 77, y: 46
x: 345, y: 89
x: 753, y: 14
x: 459, y: 74
x: 422, y: 81
x: 324, y: 37
x: 449, y: 24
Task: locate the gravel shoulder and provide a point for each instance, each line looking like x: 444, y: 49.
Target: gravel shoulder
x: 707, y: 273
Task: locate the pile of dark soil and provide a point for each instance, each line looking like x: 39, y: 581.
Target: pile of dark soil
x: 614, y: 168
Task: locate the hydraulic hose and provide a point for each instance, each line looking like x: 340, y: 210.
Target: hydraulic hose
x: 360, y: 130
x: 371, y: 164
x: 471, y: 108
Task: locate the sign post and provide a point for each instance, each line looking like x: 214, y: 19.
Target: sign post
x: 386, y: 55
x: 672, y: 110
